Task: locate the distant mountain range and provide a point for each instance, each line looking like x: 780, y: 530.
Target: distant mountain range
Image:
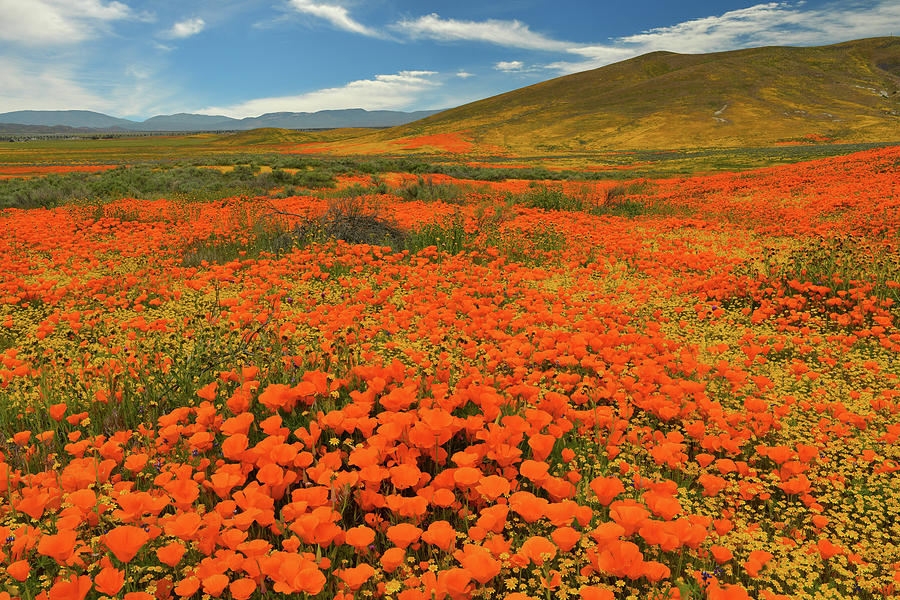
x: 323, y: 119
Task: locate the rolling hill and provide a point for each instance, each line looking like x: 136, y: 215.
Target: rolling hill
x: 848, y: 92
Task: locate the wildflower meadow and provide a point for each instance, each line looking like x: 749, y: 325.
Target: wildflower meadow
x: 413, y: 386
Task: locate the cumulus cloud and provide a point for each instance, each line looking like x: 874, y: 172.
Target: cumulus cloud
x: 513, y: 34
x: 338, y: 16
x: 186, y: 28
x: 382, y: 92
x: 509, y: 65
x: 56, y: 22
x: 464, y: 74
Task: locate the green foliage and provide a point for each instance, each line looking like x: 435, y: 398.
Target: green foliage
x: 147, y: 182
x: 426, y: 190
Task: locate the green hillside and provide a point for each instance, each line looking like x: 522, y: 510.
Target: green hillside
x: 848, y: 91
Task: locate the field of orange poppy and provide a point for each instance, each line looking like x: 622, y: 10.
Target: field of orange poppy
x: 656, y: 389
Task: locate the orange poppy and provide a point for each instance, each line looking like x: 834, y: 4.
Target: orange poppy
x: 354, y: 578
x: 74, y: 588
x: 530, y: 507
x: 565, y: 538
x: 538, y: 549
x: 592, y: 592
x: 478, y: 562
x: 109, y: 581
x: 440, y: 534
x: 630, y: 515
x: 403, y: 534
x: 59, y: 546
x: 171, y: 554
x: 215, y: 584
x: 720, y: 554
x: 392, y: 558
x: 187, y: 586
x: 19, y: 570
x: 493, y: 486
x: 360, y: 537
x: 607, y: 488
x: 125, y: 541
x: 242, y: 589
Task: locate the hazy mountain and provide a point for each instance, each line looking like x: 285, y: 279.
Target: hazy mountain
x: 324, y: 119
x: 68, y: 118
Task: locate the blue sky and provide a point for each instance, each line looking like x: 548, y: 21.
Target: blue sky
x: 138, y: 58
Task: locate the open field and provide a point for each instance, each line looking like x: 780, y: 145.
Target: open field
x: 416, y: 375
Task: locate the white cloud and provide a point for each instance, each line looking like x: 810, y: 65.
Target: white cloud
x: 186, y: 28
x: 513, y: 34
x: 36, y: 85
x: 771, y: 23
x: 768, y: 23
x: 509, y: 65
x: 56, y: 22
x: 395, y: 92
x: 338, y: 16
x: 31, y: 87
x: 464, y: 75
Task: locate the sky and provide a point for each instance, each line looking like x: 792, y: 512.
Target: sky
x: 241, y: 58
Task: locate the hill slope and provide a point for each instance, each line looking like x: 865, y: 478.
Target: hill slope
x: 849, y: 91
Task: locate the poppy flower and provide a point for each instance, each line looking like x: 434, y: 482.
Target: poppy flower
x: 629, y: 515
x: 720, y: 554
x: 466, y: 477
x: 538, y: 549
x: 215, y: 584
x: 655, y: 571
x: 125, y: 541
x: 208, y: 391
x: 493, y: 486
x: 565, y: 538
x: 728, y: 592
x: 354, y: 578
x: 827, y: 549
x: 59, y: 546
x: 456, y: 583
x: 74, y: 588
x: 187, y: 586
x: 440, y: 534
x: 592, y: 592
x: 136, y: 462
x: 19, y: 570
x: 607, y: 488
x: 56, y: 411
x: 171, y: 554
x: 360, y: 537
x: 530, y: 507
x: 392, y: 558
x: 403, y: 534
x: 242, y: 589
x: 478, y: 562
x: 405, y: 476
x: 109, y: 581
x: 541, y: 446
